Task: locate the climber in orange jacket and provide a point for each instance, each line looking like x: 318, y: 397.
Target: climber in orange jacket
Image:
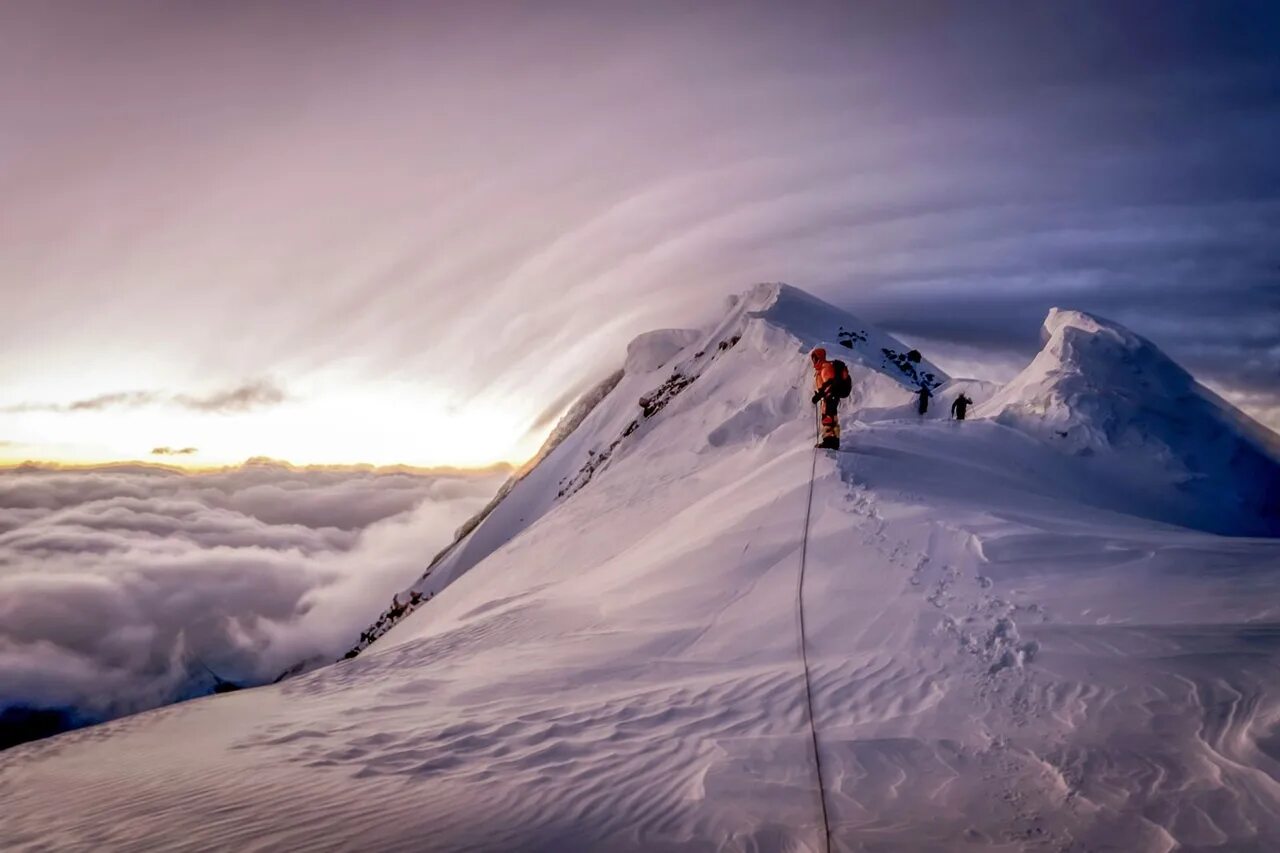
x: 831, y: 383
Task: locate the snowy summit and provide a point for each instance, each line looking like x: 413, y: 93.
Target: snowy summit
x: 1050, y: 626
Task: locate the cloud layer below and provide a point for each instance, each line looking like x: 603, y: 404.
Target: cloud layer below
x: 117, y: 586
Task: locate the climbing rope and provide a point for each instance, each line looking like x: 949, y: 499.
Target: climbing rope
x: 804, y: 655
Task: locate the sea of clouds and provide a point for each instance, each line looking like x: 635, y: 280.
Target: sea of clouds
x: 119, y: 586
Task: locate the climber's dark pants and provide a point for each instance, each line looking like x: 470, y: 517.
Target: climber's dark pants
x: 830, y: 419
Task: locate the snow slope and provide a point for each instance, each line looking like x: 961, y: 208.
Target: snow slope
x: 1001, y: 659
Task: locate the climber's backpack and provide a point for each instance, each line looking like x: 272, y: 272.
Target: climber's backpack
x: 842, y: 385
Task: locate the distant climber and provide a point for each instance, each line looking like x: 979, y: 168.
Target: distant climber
x: 923, y: 405
x: 960, y: 406
x: 831, y: 384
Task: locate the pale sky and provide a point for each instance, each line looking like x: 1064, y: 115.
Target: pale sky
x: 411, y: 232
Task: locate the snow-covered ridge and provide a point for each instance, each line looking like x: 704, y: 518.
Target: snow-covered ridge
x: 1154, y: 440
x: 845, y: 336
x: 659, y: 365
x: 406, y: 602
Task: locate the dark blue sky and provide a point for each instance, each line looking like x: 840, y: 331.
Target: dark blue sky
x: 1139, y: 177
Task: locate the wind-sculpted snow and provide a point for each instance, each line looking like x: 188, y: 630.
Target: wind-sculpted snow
x: 1005, y: 656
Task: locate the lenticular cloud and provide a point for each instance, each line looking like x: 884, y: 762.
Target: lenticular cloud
x: 121, y: 588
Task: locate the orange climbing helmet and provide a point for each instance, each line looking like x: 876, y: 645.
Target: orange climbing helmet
x: 818, y: 355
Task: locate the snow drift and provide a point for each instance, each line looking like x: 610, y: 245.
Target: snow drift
x: 609, y: 658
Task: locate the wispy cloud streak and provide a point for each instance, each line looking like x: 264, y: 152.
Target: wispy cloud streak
x: 244, y: 398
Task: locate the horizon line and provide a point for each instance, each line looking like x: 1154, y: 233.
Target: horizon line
x: 8, y: 465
